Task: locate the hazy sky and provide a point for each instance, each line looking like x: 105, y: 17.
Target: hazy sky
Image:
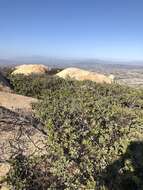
x: 72, y: 28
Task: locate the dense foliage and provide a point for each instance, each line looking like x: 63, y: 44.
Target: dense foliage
x: 6, y: 71
x: 34, y: 85
x: 94, y: 137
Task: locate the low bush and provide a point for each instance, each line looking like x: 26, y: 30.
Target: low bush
x: 34, y: 85
x: 94, y: 137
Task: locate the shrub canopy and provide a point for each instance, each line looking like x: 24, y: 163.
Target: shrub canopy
x: 94, y: 135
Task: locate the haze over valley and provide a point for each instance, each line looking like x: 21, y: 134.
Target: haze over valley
x: 126, y: 72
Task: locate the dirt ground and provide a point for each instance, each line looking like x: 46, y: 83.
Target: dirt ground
x: 16, y: 102
x: 18, y: 133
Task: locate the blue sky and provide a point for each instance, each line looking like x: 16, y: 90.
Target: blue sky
x: 109, y: 29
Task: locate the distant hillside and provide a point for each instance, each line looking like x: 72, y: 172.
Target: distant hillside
x: 128, y: 73
x: 6, y: 62
x: 84, y: 63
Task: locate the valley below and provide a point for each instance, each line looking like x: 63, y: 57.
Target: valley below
x: 126, y: 74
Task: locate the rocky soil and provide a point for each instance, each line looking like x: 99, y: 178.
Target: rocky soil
x: 19, y: 134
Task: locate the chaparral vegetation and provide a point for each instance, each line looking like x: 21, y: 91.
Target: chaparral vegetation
x: 94, y: 136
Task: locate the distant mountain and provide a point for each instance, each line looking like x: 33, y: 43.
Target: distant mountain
x: 83, y: 63
x: 53, y: 62
x: 6, y: 62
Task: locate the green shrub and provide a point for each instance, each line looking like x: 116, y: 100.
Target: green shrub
x: 6, y: 71
x: 34, y: 85
x: 31, y: 174
x: 91, y: 128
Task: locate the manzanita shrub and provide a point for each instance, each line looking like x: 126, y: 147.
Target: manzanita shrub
x: 34, y: 85
x: 94, y: 138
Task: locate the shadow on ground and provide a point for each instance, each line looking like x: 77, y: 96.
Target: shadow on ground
x: 127, y: 172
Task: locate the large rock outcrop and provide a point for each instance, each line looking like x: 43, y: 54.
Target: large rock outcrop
x: 80, y: 74
x: 30, y: 69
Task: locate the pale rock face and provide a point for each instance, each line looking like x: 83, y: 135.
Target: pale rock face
x: 30, y: 69
x: 112, y: 77
x: 80, y: 74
